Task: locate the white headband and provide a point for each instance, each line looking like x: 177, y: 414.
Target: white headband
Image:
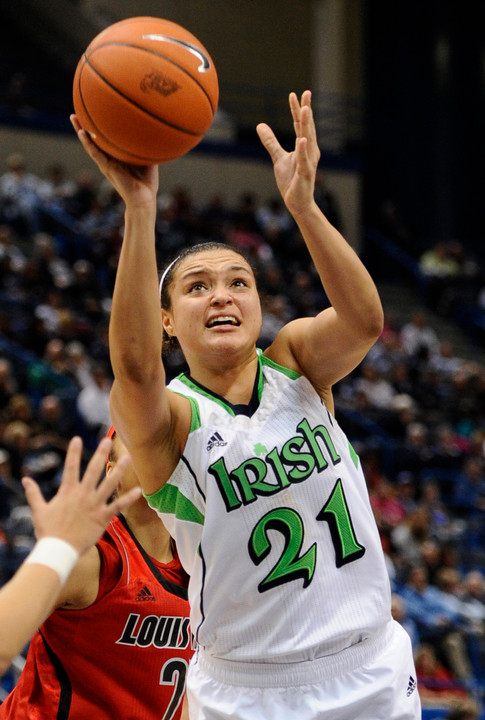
x: 165, y: 273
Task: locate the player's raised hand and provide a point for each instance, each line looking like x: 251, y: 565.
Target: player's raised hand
x: 81, y: 509
x: 137, y: 185
x: 295, y: 171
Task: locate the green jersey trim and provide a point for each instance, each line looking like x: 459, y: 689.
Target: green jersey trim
x: 195, y: 414
x: 293, y: 374
x: 353, y: 455
x: 262, y: 360
x: 168, y: 499
x: 196, y: 388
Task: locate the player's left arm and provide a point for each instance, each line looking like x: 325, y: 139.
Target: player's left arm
x: 329, y: 346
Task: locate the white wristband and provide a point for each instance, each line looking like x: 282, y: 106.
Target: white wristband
x: 55, y: 553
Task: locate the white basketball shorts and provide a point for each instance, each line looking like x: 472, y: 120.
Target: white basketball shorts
x: 383, y: 687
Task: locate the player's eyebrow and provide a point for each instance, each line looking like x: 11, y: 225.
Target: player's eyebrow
x: 204, y: 269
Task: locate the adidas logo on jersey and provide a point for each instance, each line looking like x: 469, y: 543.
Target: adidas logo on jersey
x: 145, y: 594
x: 216, y: 441
x: 411, y: 686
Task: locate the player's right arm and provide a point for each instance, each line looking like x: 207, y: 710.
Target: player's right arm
x: 152, y: 421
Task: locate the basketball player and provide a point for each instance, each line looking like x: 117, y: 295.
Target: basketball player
x: 245, y: 461
x: 65, y: 528
x: 118, y: 644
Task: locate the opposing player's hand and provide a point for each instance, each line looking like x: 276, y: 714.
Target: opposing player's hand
x: 295, y: 171
x: 137, y: 185
x: 80, y: 510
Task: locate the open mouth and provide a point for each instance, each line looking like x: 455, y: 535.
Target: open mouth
x: 223, y: 320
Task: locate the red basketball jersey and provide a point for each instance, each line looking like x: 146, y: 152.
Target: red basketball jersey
x: 124, y: 657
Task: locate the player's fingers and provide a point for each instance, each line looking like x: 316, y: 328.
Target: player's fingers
x: 33, y: 494
x: 86, y: 140
x: 306, y: 98
x: 72, y: 463
x: 124, y: 501
x: 269, y: 140
x: 96, y: 465
x: 295, y: 113
x: 309, y: 131
x: 75, y: 122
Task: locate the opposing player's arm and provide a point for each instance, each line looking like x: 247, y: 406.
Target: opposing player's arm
x: 81, y: 587
x: 19, y: 618
x: 66, y: 527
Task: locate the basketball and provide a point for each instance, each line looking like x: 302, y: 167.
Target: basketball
x: 146, y: 90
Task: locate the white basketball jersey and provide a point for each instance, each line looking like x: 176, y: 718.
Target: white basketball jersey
x: 272, y: 521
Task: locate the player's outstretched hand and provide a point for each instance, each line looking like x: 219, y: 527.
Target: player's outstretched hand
x: 295, y: 171
x: 137, y: 185
x: 81, y: 509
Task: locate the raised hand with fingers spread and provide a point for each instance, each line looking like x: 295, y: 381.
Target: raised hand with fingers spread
x: 65, y: 527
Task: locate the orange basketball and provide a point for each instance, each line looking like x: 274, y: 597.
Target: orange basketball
x: 146, y: 90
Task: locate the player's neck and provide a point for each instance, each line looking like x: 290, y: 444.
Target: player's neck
x: 150, y: 532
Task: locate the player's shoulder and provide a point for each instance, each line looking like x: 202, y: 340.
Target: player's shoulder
x: 286, y: 346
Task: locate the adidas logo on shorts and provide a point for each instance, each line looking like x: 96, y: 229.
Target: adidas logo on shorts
x: 215, y: 440
x: 411, y: 686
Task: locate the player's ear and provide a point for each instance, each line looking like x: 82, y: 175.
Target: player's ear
x: 167, y: 323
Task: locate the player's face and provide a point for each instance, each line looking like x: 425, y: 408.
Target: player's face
x: 129, y: 479
x: 215, y: 305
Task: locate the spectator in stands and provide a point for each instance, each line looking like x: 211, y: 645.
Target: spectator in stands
x: 474, y: 591
x: 16, y: 440
x: 93, y: 402
x: 436, y: 684
x: 377, y: 388
x: 10, y: 250
x: 56, y: 188
x: 49, y: 310
x: 55, y: 355
x: 275, y: 315
x: 466, y: 709
x: 400, y: 614
x: 78, y: 365
x: 437, y: 623
x: 445, y: 361
x: 10, y: 490
x: 406, y: 484
x: 215, y: 216
x: 83, y: 196
x: 430, y: 557
x: 448, y: 448
x: 49, y: 444
x: 439, y: 261
x: 8, y: 382
x: 388, y: 509
x: 55, y: 270
x: 418, y: 334
x: 19, y: 196
x: 414, y: 454
x: 274, y: 219
x: 409, y: 536
x: 469, y: 494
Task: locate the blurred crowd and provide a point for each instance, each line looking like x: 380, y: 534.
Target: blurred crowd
x: 449, y: 274
x: 414, y: 410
